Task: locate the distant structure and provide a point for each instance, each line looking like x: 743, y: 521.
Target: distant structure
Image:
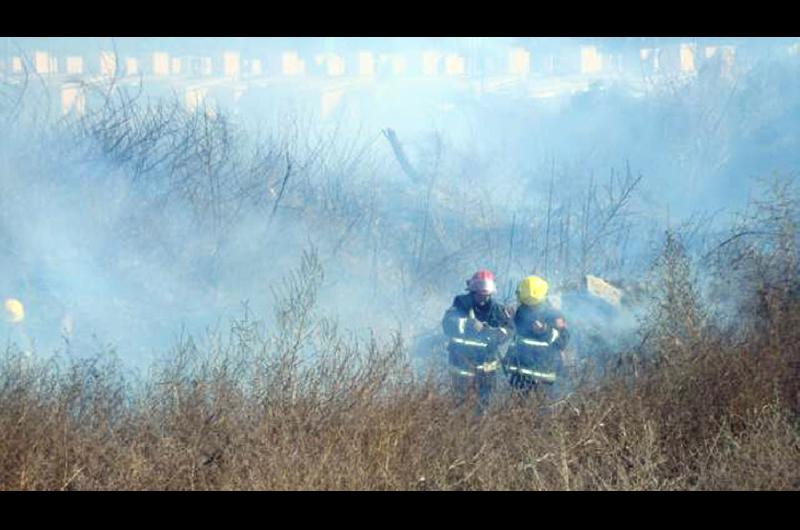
x: 515, y: 65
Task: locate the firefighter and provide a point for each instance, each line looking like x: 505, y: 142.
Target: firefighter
x: 535, y: 357
x: 477, y: 326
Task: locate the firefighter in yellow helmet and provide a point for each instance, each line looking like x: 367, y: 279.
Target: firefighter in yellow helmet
x: 534, y: 357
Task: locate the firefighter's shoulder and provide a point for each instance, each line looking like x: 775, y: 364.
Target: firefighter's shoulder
x: 462, y: 301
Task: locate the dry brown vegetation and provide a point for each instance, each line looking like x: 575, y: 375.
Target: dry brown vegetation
x: 703, y: 402
x: 305, y: 407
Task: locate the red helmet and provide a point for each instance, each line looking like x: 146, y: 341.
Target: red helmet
x: 482, y: 282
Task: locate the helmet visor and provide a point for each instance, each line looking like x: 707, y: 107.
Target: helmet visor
x: 483, y: 286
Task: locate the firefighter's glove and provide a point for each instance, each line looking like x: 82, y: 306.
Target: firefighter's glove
x: 475, y: 325
x: 539, y: 327
x: 499, y: 335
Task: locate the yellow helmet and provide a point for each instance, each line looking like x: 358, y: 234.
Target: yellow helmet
x: 15, y: 312
x: 532, y: 291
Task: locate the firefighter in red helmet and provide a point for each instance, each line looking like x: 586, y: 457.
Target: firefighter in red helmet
x: 477, y: 326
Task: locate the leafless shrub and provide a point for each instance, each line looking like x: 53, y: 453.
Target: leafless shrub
x: 298, y: 403
x: 308, y: 407
x: 676, y: 321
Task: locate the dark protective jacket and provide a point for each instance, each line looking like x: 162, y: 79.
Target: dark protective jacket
x: 552, y: 318
x: 467, y: 347
x: 539, y: 351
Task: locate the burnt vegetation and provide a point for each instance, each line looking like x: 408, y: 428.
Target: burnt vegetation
x: 706, y: 395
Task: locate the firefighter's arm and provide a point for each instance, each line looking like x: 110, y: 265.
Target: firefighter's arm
x: 473, y: 324
x: 454, y: 323
x: 502, y: 332
x: 508, y: 323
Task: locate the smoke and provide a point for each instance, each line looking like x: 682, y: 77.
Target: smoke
x: 102, y: 252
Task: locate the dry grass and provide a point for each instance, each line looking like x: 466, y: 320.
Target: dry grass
x: 697, y: 406
x: 307, y: 408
